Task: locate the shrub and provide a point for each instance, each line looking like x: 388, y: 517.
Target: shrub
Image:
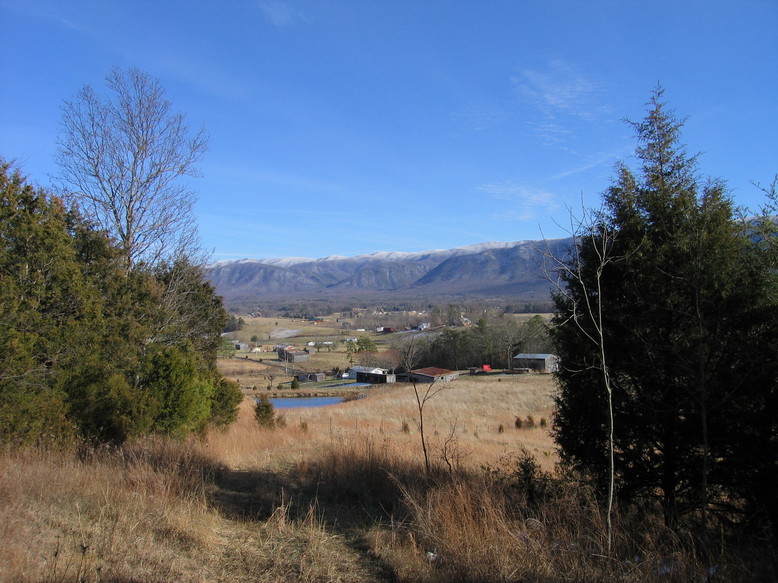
x: 264, y: 412
x: 227, y: 396
x: 295, y: 384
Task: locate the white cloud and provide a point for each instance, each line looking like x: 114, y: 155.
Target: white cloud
x: 483, y: 117
x: 63, y: 14
x: 564, y: 98
x: 521, y: 203
x: 280, y: 13
x: 604, y: 160
x: 559, y: 89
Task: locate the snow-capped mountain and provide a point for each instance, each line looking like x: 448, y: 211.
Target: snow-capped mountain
x: 485, y: 269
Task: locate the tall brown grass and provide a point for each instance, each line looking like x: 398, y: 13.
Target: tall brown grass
x: 341, y: 494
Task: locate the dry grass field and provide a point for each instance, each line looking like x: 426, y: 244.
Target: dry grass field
x: 338, y: 494
x: 242, y: 504
x: 475, y: 414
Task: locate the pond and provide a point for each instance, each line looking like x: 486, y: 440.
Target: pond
x: 297, y: 402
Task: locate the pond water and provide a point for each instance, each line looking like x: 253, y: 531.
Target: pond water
x: 297, y: 402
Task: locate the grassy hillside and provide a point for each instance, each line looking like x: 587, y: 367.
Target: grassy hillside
x: 338, y: 494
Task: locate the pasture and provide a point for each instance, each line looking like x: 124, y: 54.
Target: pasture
x: 336, y: 493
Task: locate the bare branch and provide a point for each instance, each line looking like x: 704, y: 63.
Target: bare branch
x: 124, y: 158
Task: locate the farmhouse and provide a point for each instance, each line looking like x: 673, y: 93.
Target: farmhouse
x: 432, y: 374
x: 537, y: 362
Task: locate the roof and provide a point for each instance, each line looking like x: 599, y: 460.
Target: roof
x: 370, y: 369
x: 532, y: 356
x: 432, y: 371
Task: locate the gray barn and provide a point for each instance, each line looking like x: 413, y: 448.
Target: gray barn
x: 537, y: 362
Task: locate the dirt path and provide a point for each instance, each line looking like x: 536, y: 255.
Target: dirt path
x: 282, y: 533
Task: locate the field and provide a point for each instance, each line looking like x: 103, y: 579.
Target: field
x: 337, y: 493
x: 478, y: 413
x: 248, y: 504
x: 271, y: 331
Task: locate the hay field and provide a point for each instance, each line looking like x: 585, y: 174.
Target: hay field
x: 338, y: 494
x: 477, y: 414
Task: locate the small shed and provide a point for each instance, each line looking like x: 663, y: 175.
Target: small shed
x: 310, y: 377
x: 432, y: 374
x: 537, y: 362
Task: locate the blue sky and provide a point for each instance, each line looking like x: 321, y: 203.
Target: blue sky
x: 348, y: 127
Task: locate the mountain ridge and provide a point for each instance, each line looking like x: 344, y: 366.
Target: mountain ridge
x: 504, y: 269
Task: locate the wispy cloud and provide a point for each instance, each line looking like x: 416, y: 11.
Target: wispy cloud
x: 264, y: 180
x: 281, y: 14
x: 564, y: 96
x: 483, y: 117
x: 604, y: 160
x: 64, y: 15
x: 522, y: 203
x: 561, y: 88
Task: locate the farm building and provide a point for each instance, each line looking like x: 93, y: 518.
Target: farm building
x: 354, y: 370
x: 432, y: 374
x: 375, y: 378
x: 537, y: 362
x: 293, y: 356
x: 310, y: 377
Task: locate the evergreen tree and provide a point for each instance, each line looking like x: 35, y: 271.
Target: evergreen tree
x: 264, y: 412
x: 45, y: 310
x: 672, y: 327
x: 90, y: 348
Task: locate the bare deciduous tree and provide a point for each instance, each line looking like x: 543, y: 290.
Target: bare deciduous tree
x: 125, y: 158
x: 586, y: 310
x: 410, y: 351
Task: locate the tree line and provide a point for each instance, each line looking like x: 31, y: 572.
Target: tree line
x: 493, y: 341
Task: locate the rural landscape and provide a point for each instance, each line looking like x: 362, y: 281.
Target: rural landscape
x: 346, y: 361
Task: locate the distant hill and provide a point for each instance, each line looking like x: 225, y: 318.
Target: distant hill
x: 482, y: 270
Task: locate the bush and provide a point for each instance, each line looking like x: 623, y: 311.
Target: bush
x: 226, y: 398
x: 264, y: 412
x: 295, y: 384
